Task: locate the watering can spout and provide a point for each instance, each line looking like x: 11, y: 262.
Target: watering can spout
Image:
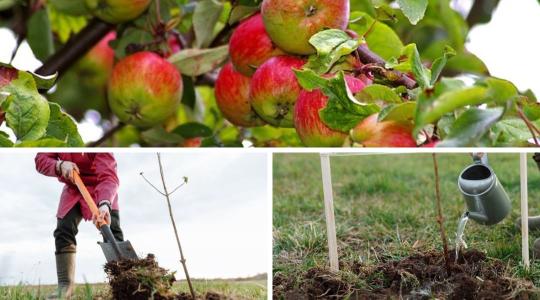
x: 480, y: 218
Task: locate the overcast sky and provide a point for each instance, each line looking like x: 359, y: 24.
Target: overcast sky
x: 222, y: 215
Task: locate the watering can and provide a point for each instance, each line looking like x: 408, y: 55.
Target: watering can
x: 486, y: 199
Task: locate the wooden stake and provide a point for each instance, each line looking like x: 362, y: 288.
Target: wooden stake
x: 524, y: 210
x: 329, y: 212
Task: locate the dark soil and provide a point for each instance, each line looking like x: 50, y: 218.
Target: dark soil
x: 419, y: 276
x: 143, y: 279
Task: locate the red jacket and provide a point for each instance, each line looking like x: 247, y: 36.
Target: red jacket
x: 98, y: 172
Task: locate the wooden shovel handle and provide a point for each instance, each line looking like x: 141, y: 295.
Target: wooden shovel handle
x: 86, y: 195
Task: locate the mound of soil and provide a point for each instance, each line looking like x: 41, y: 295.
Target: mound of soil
x: 419, y: 276
x: 142, y: 279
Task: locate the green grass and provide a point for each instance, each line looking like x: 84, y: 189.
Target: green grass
x: 236, y: 289
x: 385, y: 205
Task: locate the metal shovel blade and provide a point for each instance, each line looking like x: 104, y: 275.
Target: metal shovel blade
x: 126, y: 251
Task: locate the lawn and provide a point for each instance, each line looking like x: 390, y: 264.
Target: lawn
x: 385, y: 210
x: 234, y: 289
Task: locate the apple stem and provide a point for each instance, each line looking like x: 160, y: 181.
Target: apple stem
x: 75, y: 48
x: 369, y: 57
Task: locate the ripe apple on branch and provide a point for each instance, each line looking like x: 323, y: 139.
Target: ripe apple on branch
x: 316, y: 73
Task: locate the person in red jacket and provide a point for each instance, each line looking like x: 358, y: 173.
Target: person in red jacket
x: 98, y: 172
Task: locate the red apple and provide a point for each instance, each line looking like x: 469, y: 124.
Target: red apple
x: 98, y: 62
x: 274, y: 90
x: 117, y: 11
x: 371, y: 133
x: 291, y: 23
x: 144, y: 89
x: 232, y: 97
x: 309, y: 126
x: 192, y: 142
x: 173, y: 45
x: 250, y: 45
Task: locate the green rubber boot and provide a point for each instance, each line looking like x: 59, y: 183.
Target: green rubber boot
x: 65, y: 270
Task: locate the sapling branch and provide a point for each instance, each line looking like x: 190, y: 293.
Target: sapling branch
x: 440, y: 218
x: 368, y: 57
x: 532, y: 128
x: 155, y: 188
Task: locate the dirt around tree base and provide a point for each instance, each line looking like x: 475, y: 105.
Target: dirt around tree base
x: 143, y: 279
x: 419, y: 276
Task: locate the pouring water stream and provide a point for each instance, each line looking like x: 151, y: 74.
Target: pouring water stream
x: 460, y: 242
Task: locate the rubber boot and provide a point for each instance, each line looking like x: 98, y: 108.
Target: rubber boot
x: 534, y: 223
x: 65, y: 270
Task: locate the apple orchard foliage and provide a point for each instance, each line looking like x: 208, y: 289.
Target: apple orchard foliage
x: 454, y: 101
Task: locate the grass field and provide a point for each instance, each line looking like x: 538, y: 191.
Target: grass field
x: 235, y: 289
x: 385, y: 209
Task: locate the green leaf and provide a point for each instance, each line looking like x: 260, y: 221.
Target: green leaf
x: 4, y: 140
x: 239, y: 12
x: 511, y: 132
x: 65, y: 24
x: 431, y: 109
x: 5, y: 4
x: 471, y: 126
x: 70, y: 7
x: 158, y: 136
x: 500, y: 90
x: 466, y: 62
x: 195, y: 62
x: 409, y: 61
x: 27, y: 112
x: 192, y: 130
x: 343, y: 111
x: 205, y: 17
x: 63, y: 127
x: 532, y: 111
x: 413, y: 9
x: 439, y: 63
x: 380, y: 38
x: 8, y: 73
x: 47, y: 142
x: 188, y: 97
x: 378, y: 92
x: 331, y: 45
x: 398, y: 112
x: 40, y: 36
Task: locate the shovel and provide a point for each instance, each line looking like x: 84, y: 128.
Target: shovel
x: 112, y: 249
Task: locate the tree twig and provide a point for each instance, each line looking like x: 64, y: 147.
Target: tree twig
x: 440, y: 218
x: 75, y: 48
x: 529, y: 124
x: 155, y: 188
x: 107, y: 135
x: 182, y: 259
x: 397, y: 78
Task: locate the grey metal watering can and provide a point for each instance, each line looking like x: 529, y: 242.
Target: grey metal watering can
x: 486, y: 199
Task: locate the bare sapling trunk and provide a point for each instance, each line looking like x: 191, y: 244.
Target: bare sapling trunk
x: 167, y: 195
x: 440, y: 218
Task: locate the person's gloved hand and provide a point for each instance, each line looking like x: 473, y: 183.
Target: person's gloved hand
x: 66, y: 169
x: 104, y: 216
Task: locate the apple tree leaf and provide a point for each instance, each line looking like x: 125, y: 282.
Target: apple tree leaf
x: 63, y: 127
x: 195, y: 62
x: 205, y: 17
x: 343, y: 111
x: 414, y: 10
x: 471, y: 126
x: 439, y: 64
x: 378, y: 92
x: 381, y: 38
x: 192, y: 130
x: 40, y: 37
x: 398, y: 112
x: 331, y: 45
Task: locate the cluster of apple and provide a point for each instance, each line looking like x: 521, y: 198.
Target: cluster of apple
x: 258, y: 86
